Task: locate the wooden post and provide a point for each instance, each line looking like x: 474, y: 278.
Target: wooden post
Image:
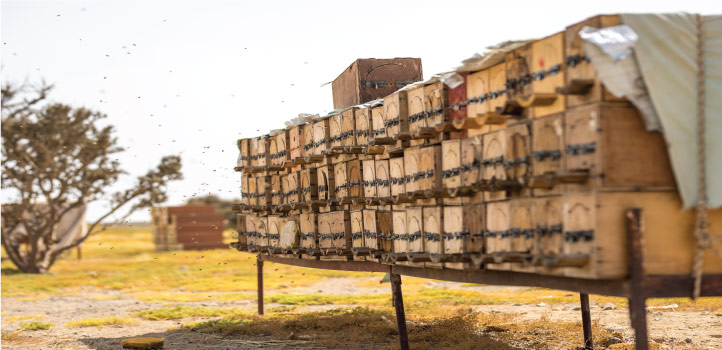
x: 398, y: 301
x: 259, y: 270
x: 586, y: 321
x: 637, y: 298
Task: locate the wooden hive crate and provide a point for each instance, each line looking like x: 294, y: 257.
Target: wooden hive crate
x: 347, y: 181
x: 609, y: 142
x: 259, y: 151
x: 371, y: 239
x: 369, y: 178
x: 251, y: 191
x: 341, y: 136
x: 278, y: 149
x: 263, y: 190
x: 370, y: 78
x: 309, y: 232
x: 362, y: 118
x: 497, y: 241
x: 517, y: 160
x: 470, y: 160
x: 549, y: 229
x: 396, y: 116
x: 290, y: 234
x: 477, y: 90
x: 400, y: 235
x: 295, y: 139
x: 244, y: 189
x: 251, y: 231
x: 433, y: 231
x: 384, y: 230
x: 325, y: 231
x: 548, y: 154
x: 451, y: 163
x: 244, y: 146
x: 276, y: 191
x: 291, y: 188
x: 431, y: 165
x: 518, y: 64
x: 357, y: 230
x: 493, y: 163
x: 307, y: 140
x: 582, y: 84
x: 523, y: 234
x: 417, y: 113
x: 326, y: 184
x: 309, y: 188
x: 497, y: 95
x: 320, y: 141
x: 457, y: 101
x: 436, y: 103
x: 415, y: 231
x: 548, y: 75
x: 383, y: 180
x: 378, y: 122
x: 275, y: 223
x: 242, y: 243
x: 412, y: 175
x: 397, y: 177
x: 341, y: 231
x: 464, y: 229
x: 262, y: 232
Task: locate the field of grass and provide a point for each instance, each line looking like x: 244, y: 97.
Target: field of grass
x: 123, y: 263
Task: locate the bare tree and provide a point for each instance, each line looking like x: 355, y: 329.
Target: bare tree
x: 55, y: 159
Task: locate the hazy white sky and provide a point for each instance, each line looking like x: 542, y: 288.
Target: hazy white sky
x: 191, y: 77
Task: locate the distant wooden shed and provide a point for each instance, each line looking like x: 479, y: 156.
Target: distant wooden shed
x: 190, y: 227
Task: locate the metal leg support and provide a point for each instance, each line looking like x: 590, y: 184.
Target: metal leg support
x: 398, y: 301
x: 637, y: 299
x: 259, y: 270
x: 586, y: 321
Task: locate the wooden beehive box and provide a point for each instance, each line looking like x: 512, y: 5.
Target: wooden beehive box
x: 412, y: 175
x: 369, y: 178
x: 610, y: 142
x: 321, y: 138
x: 396, y: 114
x: 464, y: 229
x: 498, y: 235
x: 259, y: 151
x: 371, y: 240
x: 433, y: 230
x: 290, y: 233
x: 276, y: 192
x: 292, y: 191
x: 415, y: 230
x: 497, y: 91
x: 457, y: 101
x: 251, y: 231
x: 347, y: 181
x: 383, y: 183
x: 341, y: 231
x: 357, y: 229
x: 275, y: 224
x: 436, y: 103
x: 263, y: 190
x: 262, y: 232
x: 242, y: 242
x: 325, y: 231
x: 451, y: 163
x: 245, y: 190
x: 397, y: 176
x: 548, y: 74
x: 471, y: 157
x: 431, y: 165
x: 518, y: 65
x: 477, y: 90
x: 362, y: 118
x: 309, y: 230
x: 309, y: 188
x: 494, y: 148
x: 378, y: 122
x: 517, y: 160
x: 251, y: 191
x: 523, y: 233
x: 582, y: 84
x: 369, y: 79
x: 307, y: 139
x: 417, y: 113
x: 244, y: 158
x: 326, y: 184
x: 400, y: 235
x: 278, y: 148
x: 384, y: 230
x: 549, y: 230
x: 547, y: 153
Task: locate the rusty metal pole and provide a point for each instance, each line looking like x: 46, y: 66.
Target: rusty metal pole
x: 259, y: 270
x: 586, y: 321
x: 637, y: 298
x: 398, y: 301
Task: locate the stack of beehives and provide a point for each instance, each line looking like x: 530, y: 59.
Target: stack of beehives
x: 527, y: 165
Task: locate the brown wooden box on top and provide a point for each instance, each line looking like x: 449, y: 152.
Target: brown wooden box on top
x: 582, y: 84
x: 369, y: 79
x: 610, y: 142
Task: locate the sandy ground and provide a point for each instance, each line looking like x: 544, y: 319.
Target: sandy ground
x: 669, y: 328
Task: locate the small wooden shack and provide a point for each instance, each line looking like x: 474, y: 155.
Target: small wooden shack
x: 189, y: 227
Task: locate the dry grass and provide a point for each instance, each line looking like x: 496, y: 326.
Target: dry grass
x: 179, y: 312
x: 375, y: 329
x: 36, y: 326
x: 22, y: 318
x: 102, y: 322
